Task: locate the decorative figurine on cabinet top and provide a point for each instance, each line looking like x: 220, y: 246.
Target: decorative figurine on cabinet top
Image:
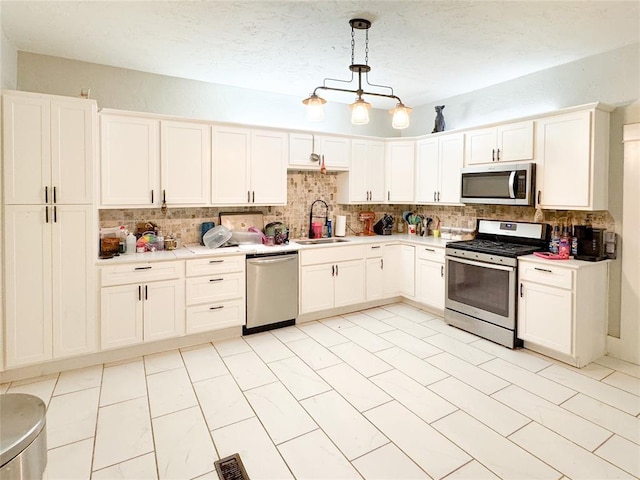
x: 439, y: 126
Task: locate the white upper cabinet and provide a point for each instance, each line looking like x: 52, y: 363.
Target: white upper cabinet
x: 438, y: 163
x: 364, y: 183
x: 505, y: 143
x: 185, y: 163
x: 130, y: 161
x: 336, y: 151
x: 249, y: 167
x: 400, y: 167
x: 573, y: 160
x: 48, y: 149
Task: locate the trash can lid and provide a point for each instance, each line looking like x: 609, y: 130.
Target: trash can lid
x: 22, y: 418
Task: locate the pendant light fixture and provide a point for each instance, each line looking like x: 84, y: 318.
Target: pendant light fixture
x: 359, y: 108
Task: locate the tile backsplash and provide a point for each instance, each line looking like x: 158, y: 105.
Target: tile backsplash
x: 305, y: 187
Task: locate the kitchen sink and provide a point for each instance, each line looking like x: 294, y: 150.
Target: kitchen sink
x: 320, y: 241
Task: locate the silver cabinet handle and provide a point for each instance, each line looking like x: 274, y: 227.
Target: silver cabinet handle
x: 498, y: 155
x: 248, y: 196
x: 493, y: 155
x: 146, y: 292
x: 216, y: 279
x: 336, y: 270
x: 46, y: 194
x: 46, y: 214
x: 521, y: 286
x: 152, y: 196
x: 54, y: 195
x: 381, y: 264
x: 376, y: 246
x: 143, y: 268
x: 216, y: 308
x: 438, y: 196
x: 388, y: 195
x: 139, y: 293
x: 253, y: 196
x: 333, y: 270
x: 442, y: 271
x: 55, y: 214
x: 430, y: 250
x: 434, y: 196
x: 216, y: 261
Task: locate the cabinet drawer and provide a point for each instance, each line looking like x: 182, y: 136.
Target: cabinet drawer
x: 434, y: 254
x: 212, y: 288
x: 215, y: 315
x: 546, y: 274
x: 141, y: 272
x: 331, y: 254
x: 373, y: 251
x: 214, y: 265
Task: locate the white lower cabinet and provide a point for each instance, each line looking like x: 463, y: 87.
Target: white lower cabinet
x: 50, y: 296
x: 215, y: 293
x: 399, y: 271
x: 375, y: 273
x: 562, y: 309
x: 430, y: 281
x: 331, y: 277
x: 142, y: 302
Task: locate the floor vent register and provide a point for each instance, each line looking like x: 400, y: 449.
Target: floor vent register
x: 231, y: 468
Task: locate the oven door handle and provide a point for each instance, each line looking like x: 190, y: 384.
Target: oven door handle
x: 512, y: 184
x: 481, y: 264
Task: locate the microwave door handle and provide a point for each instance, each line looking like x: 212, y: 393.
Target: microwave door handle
x: 512, y: 184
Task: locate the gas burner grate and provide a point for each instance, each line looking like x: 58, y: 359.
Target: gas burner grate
x: 231, y: 468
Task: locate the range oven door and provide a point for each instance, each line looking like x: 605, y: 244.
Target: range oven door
x: 482, y: 290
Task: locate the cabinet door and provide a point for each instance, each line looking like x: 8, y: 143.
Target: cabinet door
x: 392, y: 272
x: 407, y: 272
x: 130, y: 161
x: 269, y: 152
x: 480, y: 146
x: 374, y: 170
x: 336, y: 151
x: 374, y: 279
x: 430, y: 283
x: 121, y: 315
x: 27, y: 149
x: 564, y: 151
x: 230, y: 183
x: 301, y: 145
x: 73, y: 125
x: 400, y: 158
x: 185, y: 163
x: 358, y: 184
x: 163, y: 309
x: 316, y: 287
x: 427, y: 170
x: 451, y: 158
x: 73, y: 286
x: 27, y: 284
x: 545, y: 316
x: 349, y: 283
x: 515, y: 142
x: 215, y: 316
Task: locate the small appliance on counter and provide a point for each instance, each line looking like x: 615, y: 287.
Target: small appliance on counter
x: 384, y: 226
x: 591, y: 243
x: 367, y: 218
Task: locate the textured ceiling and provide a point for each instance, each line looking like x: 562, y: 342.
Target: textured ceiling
x: 427, y: 50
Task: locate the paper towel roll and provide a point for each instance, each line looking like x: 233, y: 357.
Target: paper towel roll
x: 341, y: 225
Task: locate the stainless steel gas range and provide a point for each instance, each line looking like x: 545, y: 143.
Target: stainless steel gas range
x: 482, y: 278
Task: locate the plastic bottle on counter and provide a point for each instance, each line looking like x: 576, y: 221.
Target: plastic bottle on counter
x: 555, y: 239
x: 130, y: 244
x: 574, y: 242
x: 329, y: 229
x: 564, y: 246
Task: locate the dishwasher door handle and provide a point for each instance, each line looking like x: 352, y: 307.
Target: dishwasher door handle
x: 271, y: 261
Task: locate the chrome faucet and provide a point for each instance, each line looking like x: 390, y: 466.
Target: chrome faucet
x: 311, y: 217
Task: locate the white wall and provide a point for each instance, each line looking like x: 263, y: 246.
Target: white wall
x: 612, y: 77
x: 125, y: 89
x: 8, y: 63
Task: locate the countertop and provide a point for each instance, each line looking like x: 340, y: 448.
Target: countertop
x: 570, y: 263
x: 188, y: 252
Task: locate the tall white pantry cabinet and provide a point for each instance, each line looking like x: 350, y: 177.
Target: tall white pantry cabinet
x: 49, y: 227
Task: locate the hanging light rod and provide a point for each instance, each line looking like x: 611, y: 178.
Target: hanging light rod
x: 359, y: 108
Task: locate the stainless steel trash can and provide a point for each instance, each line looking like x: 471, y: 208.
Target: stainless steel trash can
x: 23, y: 437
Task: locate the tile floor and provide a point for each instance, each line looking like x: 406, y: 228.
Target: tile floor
x: 386, y: 393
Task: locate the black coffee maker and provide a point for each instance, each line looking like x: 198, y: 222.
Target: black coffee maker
x: 591, y: 244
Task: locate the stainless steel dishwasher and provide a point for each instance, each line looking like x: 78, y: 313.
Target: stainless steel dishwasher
x: 272, y: 291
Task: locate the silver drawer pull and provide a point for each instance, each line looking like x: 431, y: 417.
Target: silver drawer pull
x: 430, y: 250
x: 216, y: 261
x: 542, y: 270
x: 377, y: 246
x: 143, y: 268
x: 216, y: 308
x: 216, y: 279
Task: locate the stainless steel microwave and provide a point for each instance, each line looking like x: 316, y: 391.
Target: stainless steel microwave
x: 505, y: 184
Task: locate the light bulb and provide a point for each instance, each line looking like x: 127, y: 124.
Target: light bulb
x: 360, y: 112
x: 315, y: 112
x: 400, y: 118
